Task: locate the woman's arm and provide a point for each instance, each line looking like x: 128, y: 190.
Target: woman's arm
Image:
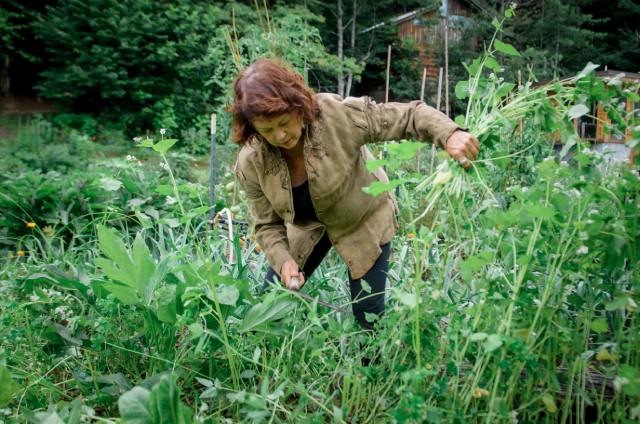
x: 413, y: 120
x: 269, y: 228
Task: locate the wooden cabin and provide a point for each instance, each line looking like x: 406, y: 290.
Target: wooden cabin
x: 427, y: 27
x: 598, y: 130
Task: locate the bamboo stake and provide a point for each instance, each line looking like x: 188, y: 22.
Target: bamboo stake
x: 212, y: 172
x: 438, y: 98
x: 446, y: 57
x: 424, y: 79
x: 439, y: 92
x: 520, y: 121
x: 386, y: 88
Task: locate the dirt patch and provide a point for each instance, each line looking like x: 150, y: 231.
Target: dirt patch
x: 16, y: 105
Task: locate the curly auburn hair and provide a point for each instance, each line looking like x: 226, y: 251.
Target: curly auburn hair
x: 266, y: 88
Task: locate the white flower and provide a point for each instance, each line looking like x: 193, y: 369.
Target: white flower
x: 436, y: 294
x: 164, y: 165
x: 583, y: 235
x: 131, y: 158
x: 582, y: 178
x: 137, y: 139
x: 62, y: 311
x: 34, y: 298
x: 162, y: 131
x: 582, y: 250
x: 170, y: 200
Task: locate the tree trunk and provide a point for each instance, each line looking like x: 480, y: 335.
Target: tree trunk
x: 4, y: 77
x: 339, y: 17
x: 353, y: 45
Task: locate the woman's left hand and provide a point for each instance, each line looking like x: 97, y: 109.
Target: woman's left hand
x: 463, y: 147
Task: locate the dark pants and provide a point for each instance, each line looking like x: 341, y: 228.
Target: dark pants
x: 363, y: 302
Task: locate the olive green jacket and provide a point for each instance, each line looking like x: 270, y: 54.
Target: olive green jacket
x: 334, y: 155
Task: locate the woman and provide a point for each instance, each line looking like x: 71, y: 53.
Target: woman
x: 302, y: 166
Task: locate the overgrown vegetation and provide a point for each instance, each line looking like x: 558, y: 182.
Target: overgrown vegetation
x: 512, y: 296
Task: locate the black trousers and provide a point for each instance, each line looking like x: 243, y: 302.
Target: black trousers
x: 363, y: 302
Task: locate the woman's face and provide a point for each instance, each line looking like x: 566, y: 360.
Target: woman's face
x: 282, y: 130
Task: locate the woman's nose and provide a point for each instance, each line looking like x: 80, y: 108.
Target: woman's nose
x: 281, y: 135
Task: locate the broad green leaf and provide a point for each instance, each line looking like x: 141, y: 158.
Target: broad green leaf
x: 539, y: 211
x: 365, y: 286
x: 577, y: 111
x: 462, y: 90
x: 112, y: 246
x: 165, y: 405
x: 630, y: 377
x: 599, y: 325
x: 147, y: 142
x: 568, y: 144
x: 142, y: 260
x: 269, y: 310
x: 166, y: 304
x: 493, y: 342
x: 124, y: 294
x: 473, y: 67
x: 549, y: 402
x: 492, y: 64
x: 8, y: 387
x: 504, y: 89
x: 373, y: 164
x: 586, y: 71
x: 115, y: 273
x: 496, y: 23
x: 110, y: 184
x: 134, y: 406
x: 407, y: 299
x: 228, y: 295
x: 164, y: 145
x: 478, y: 337
x: 618, y: 303
x: 378, y: 187
x: 164, y: 189
x: 196, y: 330
x: 405, y: 150
x: 506, y: 48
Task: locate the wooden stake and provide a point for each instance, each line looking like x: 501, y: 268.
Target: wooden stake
x: 212, y: 172
x: 386, y: 88
x: 424, y: 80
x: 521, y: 122
x: 439, y: 92
x: 438, y: 98
x: 446, y: 57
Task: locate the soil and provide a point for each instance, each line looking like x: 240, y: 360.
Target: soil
x: 14, y: 105
x: 10, y: 106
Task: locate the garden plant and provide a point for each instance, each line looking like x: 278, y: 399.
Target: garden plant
x: 513, y: 295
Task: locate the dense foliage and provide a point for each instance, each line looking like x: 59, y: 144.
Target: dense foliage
x: 512, y: 295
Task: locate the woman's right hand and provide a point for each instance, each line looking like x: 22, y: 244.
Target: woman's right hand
x: 290, y: 270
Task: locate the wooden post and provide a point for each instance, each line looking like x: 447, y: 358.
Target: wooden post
x: 438, y: 98
x: 386, y: 88
x: 521, y: 121
x: 424, y: 80
x: 212, y: 172
x: 446, y: 56
x: 439, y: 92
